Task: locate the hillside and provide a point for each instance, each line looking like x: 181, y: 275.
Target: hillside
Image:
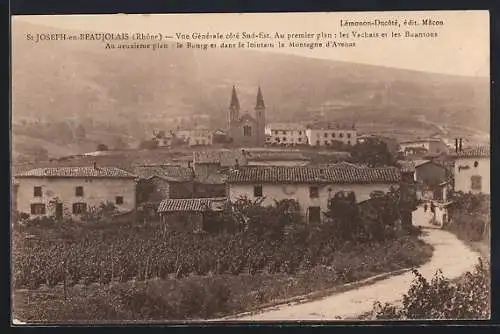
x: 132, y: 92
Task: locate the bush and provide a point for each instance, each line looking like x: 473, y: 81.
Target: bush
x: 469, y: 298
x: 470, y: 216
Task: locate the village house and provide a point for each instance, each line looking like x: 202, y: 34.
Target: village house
x: 427, y: 175
x: 196, y: 137
x: 312, y: 187
x: 69, y: 192
x: 422, y: 147
x: 321, y: 135
x: 201, y: 177
x: 189, y: 214
x: 472, y: 170
x: 158, y: 182
x: 391, y: 143
x: 286, y: 134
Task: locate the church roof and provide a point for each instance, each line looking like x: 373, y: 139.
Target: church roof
x: 260, y: 100
x: 235, y: 103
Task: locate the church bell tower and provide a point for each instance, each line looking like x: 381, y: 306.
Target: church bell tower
x: 260, y: 117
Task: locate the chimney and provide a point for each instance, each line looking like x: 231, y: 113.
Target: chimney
x: 460, y: 145
x: 456, y: 145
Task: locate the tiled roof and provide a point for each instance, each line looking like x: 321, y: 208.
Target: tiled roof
x: 286, y: 126
x: 213, y: 178
x: 478, y: 152
x: 332, y: 126
x: 104, y: 172
x: 307, y: 174
x: 410, y: 165
x: 268, y: 156
x: 188, y: 204
x: 224, y: 157
x: 414, y: 141
x: 167, y: 172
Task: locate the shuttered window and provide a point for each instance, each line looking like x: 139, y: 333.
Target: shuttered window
x: 475, y: 182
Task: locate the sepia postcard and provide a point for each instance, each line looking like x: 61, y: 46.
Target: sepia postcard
x: 250, y: 167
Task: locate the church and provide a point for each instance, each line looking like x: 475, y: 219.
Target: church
x: 245, y: 129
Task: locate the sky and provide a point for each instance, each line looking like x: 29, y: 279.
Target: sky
x: 461, y: 48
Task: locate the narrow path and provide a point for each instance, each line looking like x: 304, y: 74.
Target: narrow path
x: 450, y: 255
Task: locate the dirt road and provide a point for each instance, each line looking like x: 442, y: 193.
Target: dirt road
x: 450, y: 255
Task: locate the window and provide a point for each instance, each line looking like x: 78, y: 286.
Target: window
x: 317, y: 142
x: 79, y: 208
x: 247, y: 131
x: 476, y: 164
x: 314, y: 214
x: 257, y: 191
x: 284, y: 138
x: 348, y: 135
x: 313, y: 192
x: 333, y: 134
x: 79, y: 191
x: 475, y: 182
x: 300, y: 133
x: 348, y: 142
x: 325, y: 135
x: 119, y: 200
x: 284, y: 132
x: 341, y: 135
x: 37, y: 191
x: 37, y: 209
x: 300, y: 139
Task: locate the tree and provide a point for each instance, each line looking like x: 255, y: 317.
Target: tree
x: 148, y: 144
x: 102, y: 147
x: 372, y: 152
x: 342, y: 218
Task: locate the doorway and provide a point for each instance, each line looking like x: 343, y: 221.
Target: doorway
x: 59, y: 211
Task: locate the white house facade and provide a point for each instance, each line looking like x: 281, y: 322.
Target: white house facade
x: 430, y: 146
x: 196, y: 137
x: 286, y: 134
x: 472, y: 171
x: 311, y: 187
x: 71, y: 191
x: 326, y: 136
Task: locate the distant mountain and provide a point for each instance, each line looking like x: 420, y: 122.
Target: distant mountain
x: 142, y: 89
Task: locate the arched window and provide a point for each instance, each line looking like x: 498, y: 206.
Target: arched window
x: 247, y: 131
x: 476, y: 164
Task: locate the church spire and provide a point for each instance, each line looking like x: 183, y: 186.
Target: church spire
x: 235, y: 104
x: 260, y: 100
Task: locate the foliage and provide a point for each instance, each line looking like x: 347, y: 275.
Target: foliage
x: 102, y: 147
x: 98, y: 213
x: 372, y: 152
x: 149, y: 144
x: 211, y: 296
x: 271, y: 239
x: 470, y: 216
x: 441, y: 298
